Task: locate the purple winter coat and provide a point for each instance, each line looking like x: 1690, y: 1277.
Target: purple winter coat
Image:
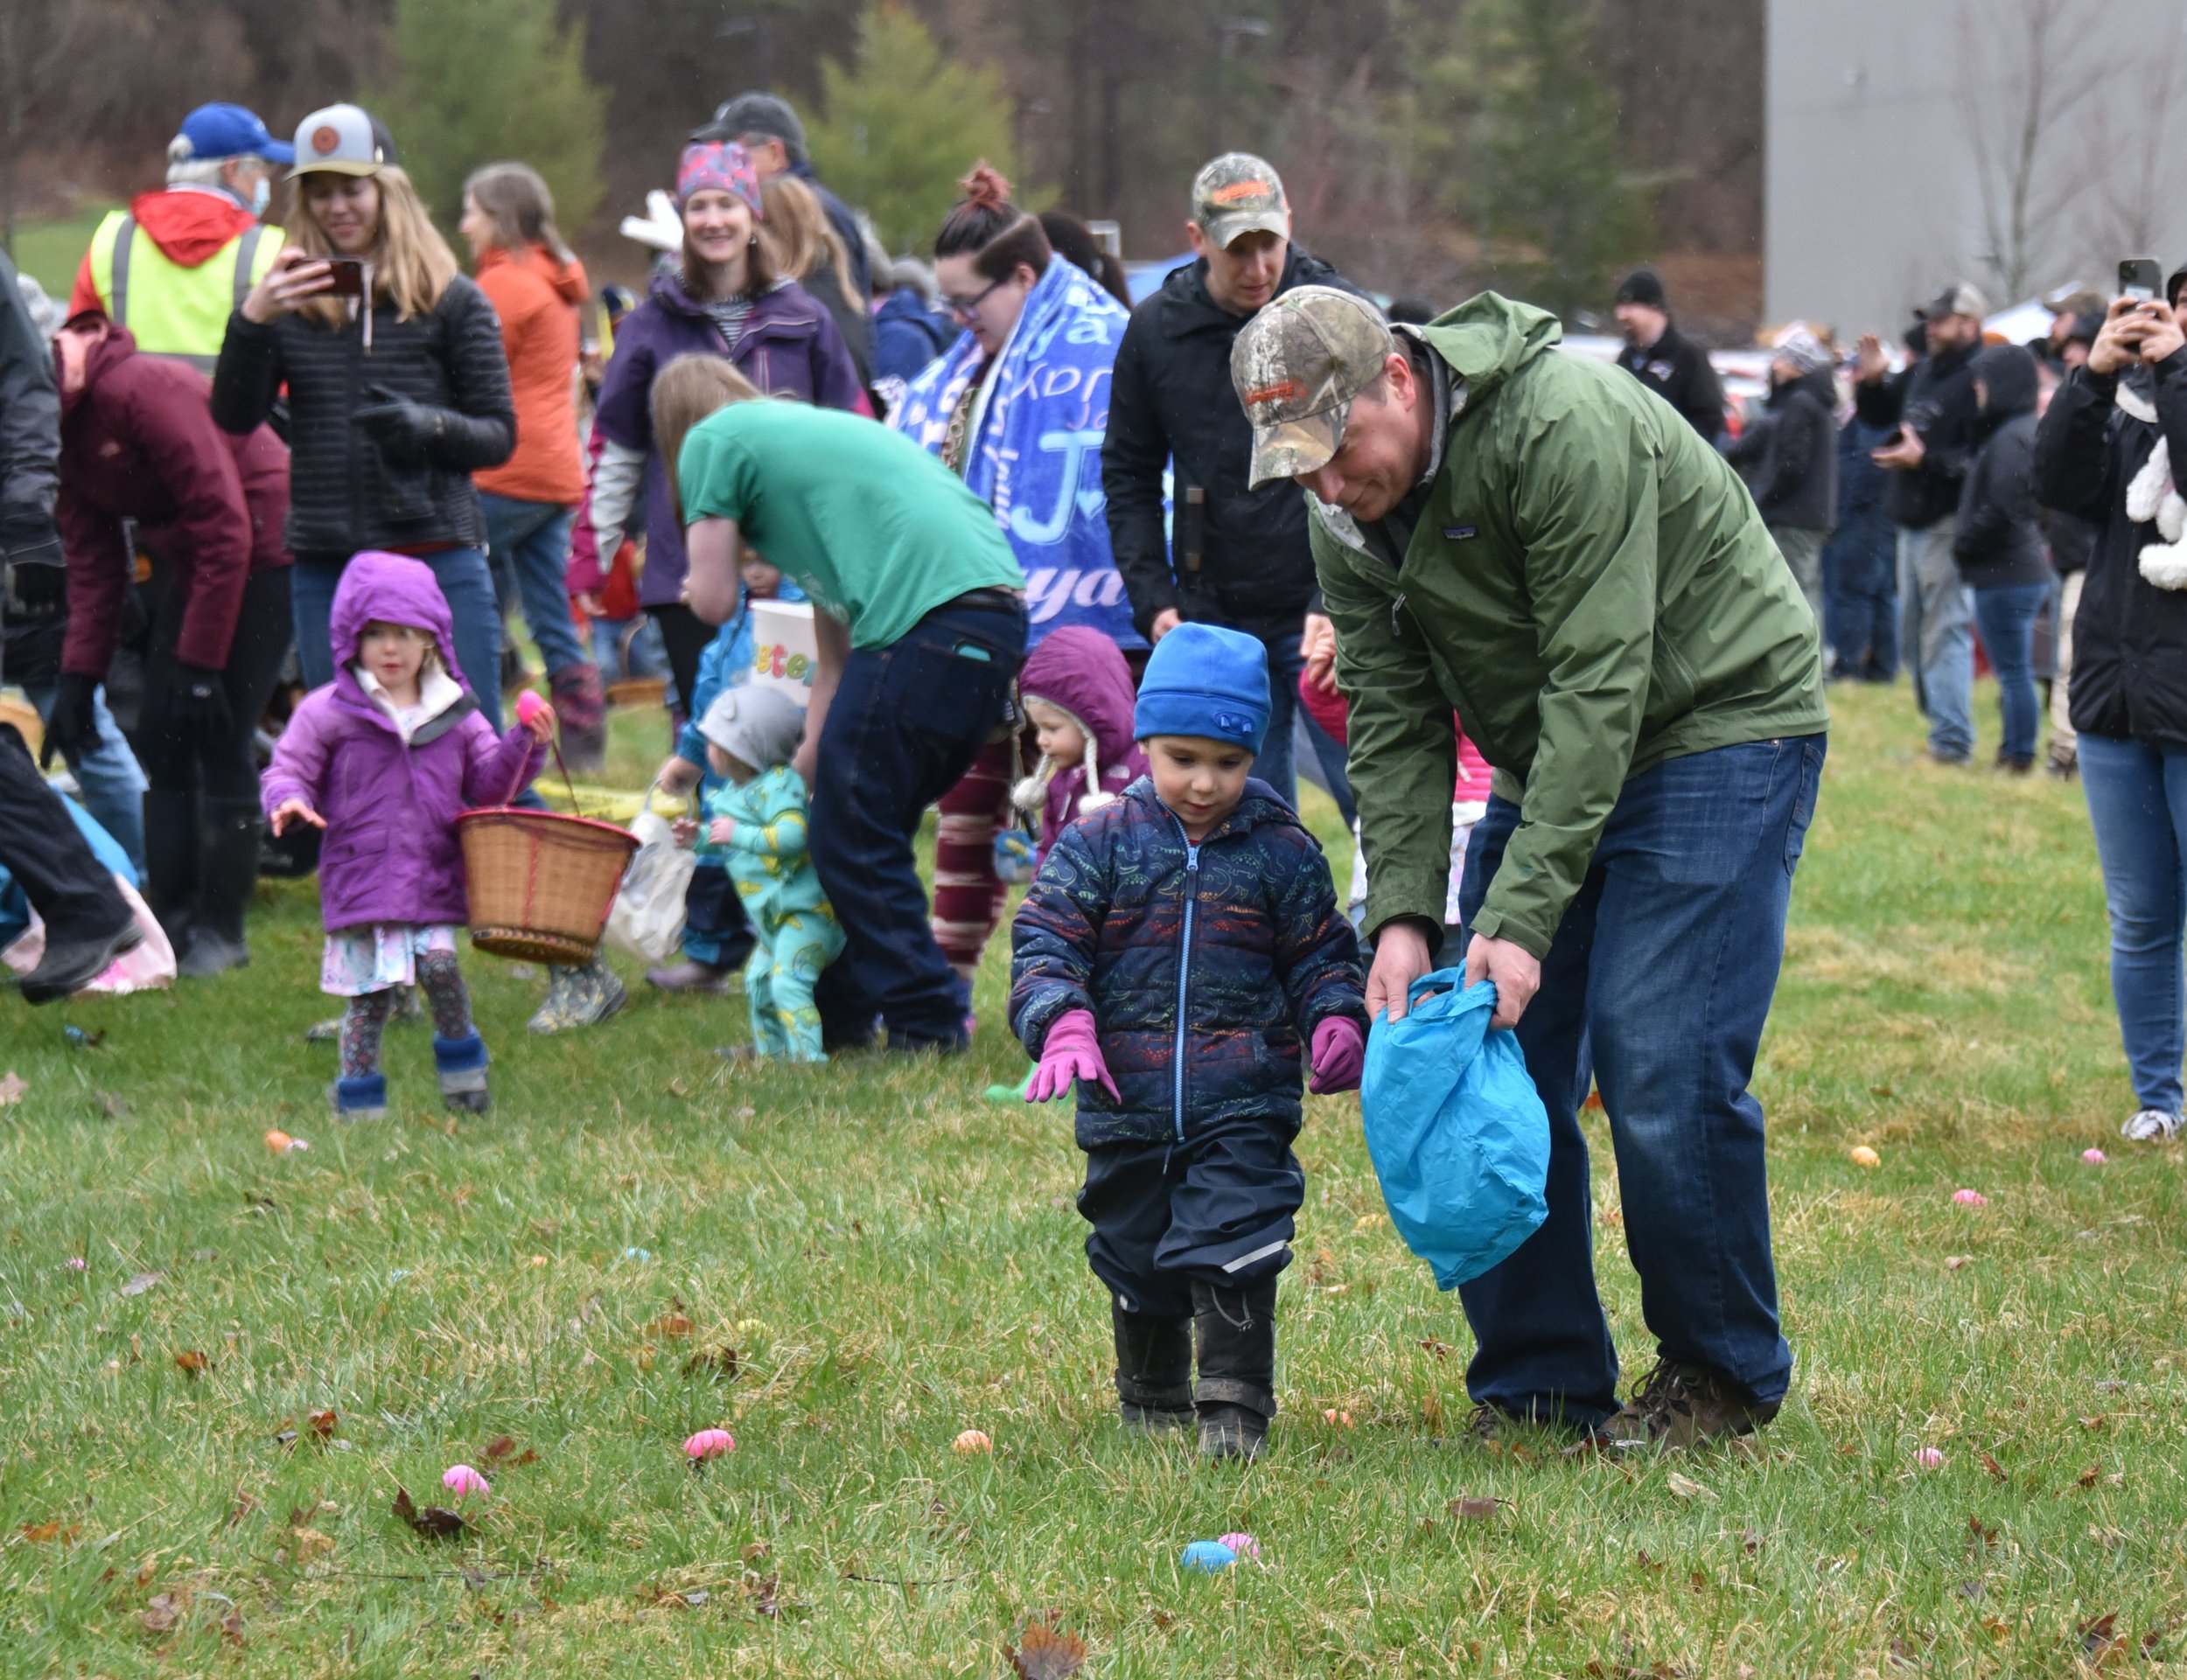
x: 1081, y: 671
x: 390, y: 853
x: 789, y: 347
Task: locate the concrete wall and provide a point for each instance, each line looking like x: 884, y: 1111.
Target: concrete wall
x: 1872, y: 199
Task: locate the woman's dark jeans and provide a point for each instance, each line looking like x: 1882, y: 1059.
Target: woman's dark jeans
x: 906, y: 722
x: 2006, y: 618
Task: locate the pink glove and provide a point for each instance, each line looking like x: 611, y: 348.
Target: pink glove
x: 1339, y: 1049
x: 1071, y: 1053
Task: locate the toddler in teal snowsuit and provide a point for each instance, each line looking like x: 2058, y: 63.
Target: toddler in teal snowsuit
x: 756, y: 825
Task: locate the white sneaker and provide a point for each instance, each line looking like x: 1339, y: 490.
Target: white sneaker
x: 2151, y: 1125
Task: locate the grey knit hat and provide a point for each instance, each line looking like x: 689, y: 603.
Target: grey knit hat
x: 1800, y: 346
x: 756, y: 723
x: 761, y: 114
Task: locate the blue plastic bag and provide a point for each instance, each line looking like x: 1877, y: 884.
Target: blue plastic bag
x: 1458, y: 1133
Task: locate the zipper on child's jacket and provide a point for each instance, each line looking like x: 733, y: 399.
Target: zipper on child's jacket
x: 1184, y: 967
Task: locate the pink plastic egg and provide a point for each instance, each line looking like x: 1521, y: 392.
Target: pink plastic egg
x: 463, y: 1482
x: 708, y: 1443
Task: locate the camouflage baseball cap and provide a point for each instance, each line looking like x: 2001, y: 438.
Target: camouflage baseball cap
x: 1298, y: 365
x: 1236, y: 194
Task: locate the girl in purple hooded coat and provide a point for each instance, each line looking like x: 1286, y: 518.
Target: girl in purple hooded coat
x: 1077, y: 693
x: 384, y: 759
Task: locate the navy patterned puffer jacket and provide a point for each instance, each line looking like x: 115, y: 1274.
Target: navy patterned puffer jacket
x: 1240, y: 939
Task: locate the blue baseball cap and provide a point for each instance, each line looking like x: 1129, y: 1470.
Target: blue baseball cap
x: 227, y: 131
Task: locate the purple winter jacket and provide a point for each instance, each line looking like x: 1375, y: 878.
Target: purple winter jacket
x: 1082, y: 670
x: 390, y: 854
x: 789, y: 347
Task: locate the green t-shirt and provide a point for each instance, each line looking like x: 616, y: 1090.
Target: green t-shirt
x: 874, y: 529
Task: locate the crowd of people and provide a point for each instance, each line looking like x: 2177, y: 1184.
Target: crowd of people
x: 1554, y: 633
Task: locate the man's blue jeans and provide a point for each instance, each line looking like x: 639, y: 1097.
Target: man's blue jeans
x: 532, y: 539
x: 1860, y: 611
x: 1663, y: 968
x: 905, y: 724
x: 1935, y: 635
x: 109, y: 781
x: 2006, y: 616
x: 2137, y: 803
x: 464, y: 578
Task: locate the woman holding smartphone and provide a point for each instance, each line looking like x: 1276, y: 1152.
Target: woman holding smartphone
x: 398, y: 389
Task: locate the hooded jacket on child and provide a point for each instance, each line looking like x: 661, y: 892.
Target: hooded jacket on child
x: 391, y: 853
x: 1081, y: 671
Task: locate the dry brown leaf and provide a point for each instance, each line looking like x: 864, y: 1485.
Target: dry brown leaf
x: 1996, y: 1469
x: 160, y: 1615
x: 1953, y: 1262
x: 309, y: 1543
x: 1751, y: 1539
x: 12, y: 1085
x: 502, y: 1450
x: 1471, y: 1507
x: 2102, y: 1645
x: 191, y: 1362
x: 673, y: 1326
x: 140, y: 1283
x: 1045, y: 1651
x: 322, y: 1424
x: 723, y: 1362
x: 2089, y: 1477
x: 1686, y: 1488
x: 435, y: 1522
x: 244, y: 1505
x: 1440, y: 1350
x: 2096, y: 1422
x: 232, y: 1625
x: 38, y: 1533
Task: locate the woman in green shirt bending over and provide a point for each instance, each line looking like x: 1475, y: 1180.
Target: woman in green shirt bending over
x: 918, y: 611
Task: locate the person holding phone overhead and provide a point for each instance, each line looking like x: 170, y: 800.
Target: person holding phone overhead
x: 398, y: 389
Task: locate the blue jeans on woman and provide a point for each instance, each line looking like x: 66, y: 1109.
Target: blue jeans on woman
x: 1661, y: 973
x: 2137, y: 803
x: 464, y: 578
x: 111, y: 784
x: 2007, y: 617
x: 905, y: 724
x: 532, y: 539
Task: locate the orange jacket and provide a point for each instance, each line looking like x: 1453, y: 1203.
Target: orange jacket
x: 537, y: 298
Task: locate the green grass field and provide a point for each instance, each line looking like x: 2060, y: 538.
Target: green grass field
x: 894, y: 1261
x: 49, y: 251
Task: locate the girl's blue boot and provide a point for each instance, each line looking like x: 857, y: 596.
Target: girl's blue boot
x: 461, y: 1063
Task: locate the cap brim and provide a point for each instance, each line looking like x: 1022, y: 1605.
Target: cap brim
x: 1225, y: 230
x: 334, y: 166
x: 1290, y: 447
x: 278, y: 151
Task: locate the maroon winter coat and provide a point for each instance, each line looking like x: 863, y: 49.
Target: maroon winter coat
x: 138, y: 443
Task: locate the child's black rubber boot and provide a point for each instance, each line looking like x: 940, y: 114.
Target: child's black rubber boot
x: 1235, y: 1393
x: 1154, y: 1368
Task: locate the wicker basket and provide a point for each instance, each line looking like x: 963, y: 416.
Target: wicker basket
x: 541, y: 883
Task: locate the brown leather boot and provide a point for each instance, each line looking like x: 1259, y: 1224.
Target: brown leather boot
x: 1679, y: 1405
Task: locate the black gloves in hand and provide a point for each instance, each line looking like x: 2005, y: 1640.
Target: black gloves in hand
x: 36, y: 573
x: 198, y: 703
x: 72, y: 730
x: 406, y: 431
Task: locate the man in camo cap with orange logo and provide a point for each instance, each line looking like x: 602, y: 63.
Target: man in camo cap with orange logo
x: 1531, y: 539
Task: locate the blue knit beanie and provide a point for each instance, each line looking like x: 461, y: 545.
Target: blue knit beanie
x: 1204, y: 680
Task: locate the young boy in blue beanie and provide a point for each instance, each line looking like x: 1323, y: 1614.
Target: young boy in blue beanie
x: 1179, y: 957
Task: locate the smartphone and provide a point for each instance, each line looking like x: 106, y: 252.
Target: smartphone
x: 346, y: 276
x: 2139, y: 278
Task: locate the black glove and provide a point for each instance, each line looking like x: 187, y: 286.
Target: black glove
x: 405, y: 431
x: 72, y: 730
x: 197, y: 702
x: 37, y: 575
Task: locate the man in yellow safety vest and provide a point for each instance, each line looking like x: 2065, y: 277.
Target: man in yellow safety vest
x: 174, y: 265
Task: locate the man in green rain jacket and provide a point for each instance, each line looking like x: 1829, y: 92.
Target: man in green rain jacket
x: 1524, y: 536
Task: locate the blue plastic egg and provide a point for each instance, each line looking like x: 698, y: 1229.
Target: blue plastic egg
x: 1209, y: 1556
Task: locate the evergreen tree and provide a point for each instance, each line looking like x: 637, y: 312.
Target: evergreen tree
x: 484, y: 81
x: 1537, y: 161
x: 903, y: 125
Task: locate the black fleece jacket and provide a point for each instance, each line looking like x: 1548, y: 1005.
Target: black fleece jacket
x: 1936, y: 397
x: 1172, y: 397
x: 2129, y: 637
x: 1998, y: 540
x: 1790, y: 455
x: 345, y: 492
